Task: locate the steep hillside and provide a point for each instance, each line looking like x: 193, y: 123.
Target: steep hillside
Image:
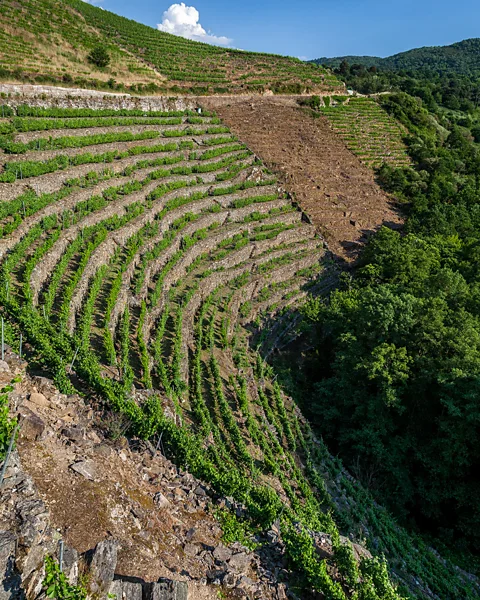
x: 337, y: 192
x: 150, y: 261
x: 461, y: 58
x: 190, y: 64
x: 369, y: 132
x: 50, y: 41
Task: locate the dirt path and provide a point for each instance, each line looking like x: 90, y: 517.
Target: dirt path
x: 329, y: 182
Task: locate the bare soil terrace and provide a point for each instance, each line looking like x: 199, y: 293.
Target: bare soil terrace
x: 329, y: 182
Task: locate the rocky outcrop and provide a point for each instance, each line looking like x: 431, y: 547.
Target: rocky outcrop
x: 66, y: 474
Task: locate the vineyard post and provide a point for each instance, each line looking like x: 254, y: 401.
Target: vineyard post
x: 74, y: 357
x: 20, y: 350
x: 158, y: 445
x: 3, y: 340
x: 60, y: 558
x: 7, y: 456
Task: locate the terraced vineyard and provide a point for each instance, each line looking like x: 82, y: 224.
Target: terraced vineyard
x: 368, y: 131
x: 143, y: 256
x: 51, y: 40
x: 45, y: 41
x: 203, y: 66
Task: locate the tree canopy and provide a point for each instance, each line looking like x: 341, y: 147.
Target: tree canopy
x: 393, y: 382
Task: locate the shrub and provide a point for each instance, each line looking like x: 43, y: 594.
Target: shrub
x: 99, y: 57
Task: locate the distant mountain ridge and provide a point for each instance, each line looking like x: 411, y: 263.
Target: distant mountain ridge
x: 461, y: 58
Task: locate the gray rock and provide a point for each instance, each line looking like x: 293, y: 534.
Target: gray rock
x: 86, y: 468
x: 70, y: 564
x: 33, y: 560
x: 229, y: 580
x: 102, y: 565
x: 33, y: 518
x: 246, y: 586
x: 75, y: 434
x: 216, y: 576
x: 200, y: 491
x: 239, y: 562
x: 4, y: 367
x: 166, y: 589
x: 191, y: 549
x: 126, y: 590
x: 207, y: 559
x: 222, y: 553
x: 32, y: 426
x: 160, y: 500
x: 9, y: 577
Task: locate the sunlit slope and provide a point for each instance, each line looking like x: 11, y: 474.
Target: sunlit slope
x: 152, y: 261
x: 193, y: 64
x: 47, y: 41
x: 368, y: 131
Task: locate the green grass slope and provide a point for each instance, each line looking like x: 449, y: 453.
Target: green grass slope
x: 43, y: 41
x: 48, y: 41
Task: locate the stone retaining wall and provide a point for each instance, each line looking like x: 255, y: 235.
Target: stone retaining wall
x: 45, y: 96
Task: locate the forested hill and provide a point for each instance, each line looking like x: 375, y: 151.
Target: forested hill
x: 460, y: 58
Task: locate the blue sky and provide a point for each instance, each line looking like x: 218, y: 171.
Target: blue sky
x: 313, y: 28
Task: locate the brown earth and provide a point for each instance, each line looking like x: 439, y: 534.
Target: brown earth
x: 329, y: 182
x: 94, y: 488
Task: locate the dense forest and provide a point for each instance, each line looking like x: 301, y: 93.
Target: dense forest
x: 460, y: 58
x: 446, y: 76
x: 392, y: 374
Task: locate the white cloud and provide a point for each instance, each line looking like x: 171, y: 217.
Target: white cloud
x: 94, y: 2
x: 183, y: 20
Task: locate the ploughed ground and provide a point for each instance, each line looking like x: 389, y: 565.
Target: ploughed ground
x: 329, y: 182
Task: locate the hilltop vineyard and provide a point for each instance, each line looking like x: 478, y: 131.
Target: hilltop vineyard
x: 202, y: 67
x: 42, y: 41
x: 52, y: 41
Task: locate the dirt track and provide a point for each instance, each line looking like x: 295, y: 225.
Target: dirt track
x: 328, y: 181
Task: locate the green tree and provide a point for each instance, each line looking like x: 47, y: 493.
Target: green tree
x: 99, y: 57
x: 344, y: 68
